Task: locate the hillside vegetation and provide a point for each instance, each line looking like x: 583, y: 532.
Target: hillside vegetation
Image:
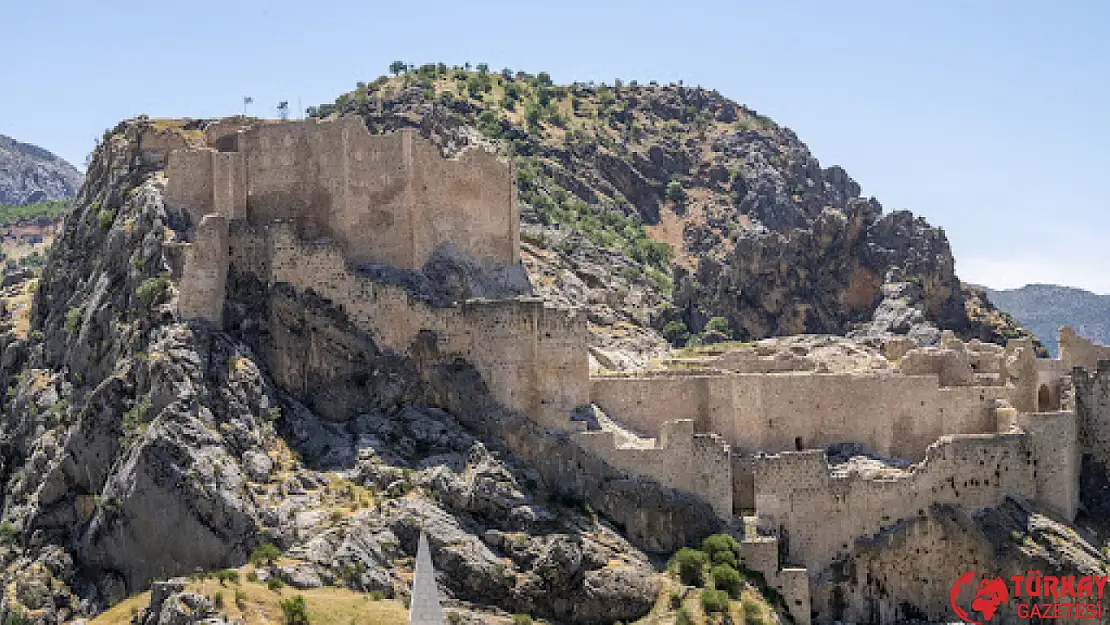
x: 40, y: 213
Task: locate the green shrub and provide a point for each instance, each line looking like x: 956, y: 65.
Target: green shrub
x: 454, y: 618
x: 273, y: 583
x: 722, y: 549
x: 675, y: 192
x: 714, y: 601
x: 718, y: 324
x: 683, y: 617
x: 377, y: 595
x: 218, y: 599
x: 240, y: 599
x: 266, y: 553
x: 294, y: 611
x: 676, y: 333
x: 690, y: 564
x: 151, y: 290
x: 522, y: 619
x: 675, y: 599
x: 106, y: 217
x: 252, y: 576
x: 728, y: 579
x: 228, y: 575
x: 8, y: 533
x: 660, y: 280
x: 73, y: 319
x: 751, y: 610
x: 18, y: 617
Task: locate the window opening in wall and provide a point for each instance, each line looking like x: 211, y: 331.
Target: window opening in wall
x: 798, y: 443
x: 1044, y: 399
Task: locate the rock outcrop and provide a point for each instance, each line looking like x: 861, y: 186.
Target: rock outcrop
x: 29, y: 174
x: 761, y: 234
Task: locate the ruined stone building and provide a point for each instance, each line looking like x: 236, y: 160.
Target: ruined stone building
x: 307, y: 203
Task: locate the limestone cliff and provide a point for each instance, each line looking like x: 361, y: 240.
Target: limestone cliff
x: 655, y: 204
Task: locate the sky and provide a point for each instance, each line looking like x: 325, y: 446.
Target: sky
x: 989, y: 118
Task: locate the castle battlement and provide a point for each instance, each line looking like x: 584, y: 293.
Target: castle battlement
x: 389, y: 199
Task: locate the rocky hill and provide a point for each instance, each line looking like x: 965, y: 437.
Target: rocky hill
x: 665, y: 206
x: 1044, y: 308
x: 30, y: 174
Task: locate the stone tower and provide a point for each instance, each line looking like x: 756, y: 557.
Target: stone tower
x: 424, y: 606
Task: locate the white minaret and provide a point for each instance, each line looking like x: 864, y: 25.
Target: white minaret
x: 424, y: 605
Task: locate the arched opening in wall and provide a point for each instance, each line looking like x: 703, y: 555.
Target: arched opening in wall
x: 798, y: 446
x: 1044, y: 399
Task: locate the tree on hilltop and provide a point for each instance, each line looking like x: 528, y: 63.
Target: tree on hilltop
x: 396, y: 67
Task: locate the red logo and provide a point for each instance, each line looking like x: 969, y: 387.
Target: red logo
x: 989, y: 596
x: 1039, y: 596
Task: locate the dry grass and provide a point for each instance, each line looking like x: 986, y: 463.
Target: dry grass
x: 262, y: 605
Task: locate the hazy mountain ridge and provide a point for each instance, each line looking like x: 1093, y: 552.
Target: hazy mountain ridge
x: 1044, y: 308
x: 31, y: 174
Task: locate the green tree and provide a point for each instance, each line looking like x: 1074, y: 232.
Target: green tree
x: 294, y: 611
x: 690, y: 564
x: 728, y: 579
x: 483, y: 68
x: 397, y: 67
x: 721, y: 548
x: 544, y: 79
x: 266, y: 553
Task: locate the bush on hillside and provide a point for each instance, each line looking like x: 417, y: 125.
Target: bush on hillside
x: 690, y: 564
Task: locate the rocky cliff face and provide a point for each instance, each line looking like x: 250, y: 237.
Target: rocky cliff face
x: 29, y: 174
x: 668, y: 204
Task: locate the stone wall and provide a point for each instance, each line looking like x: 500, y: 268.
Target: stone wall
x: 1054, y: 440
x: 1092, y: 407
x: 203, y: 283
x: 820, y: 513
x: 390, y: 199
x: 532, y: 357
x: 894, y: 415
x: 1076, y: 351
x: 696, y: 463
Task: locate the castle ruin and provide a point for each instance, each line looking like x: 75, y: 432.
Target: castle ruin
x: 305, y: 203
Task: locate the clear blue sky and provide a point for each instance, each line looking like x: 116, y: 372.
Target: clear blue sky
x: 990, y: 118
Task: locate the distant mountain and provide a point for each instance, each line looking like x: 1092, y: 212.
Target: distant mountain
x: 30, y: 174
x: 1043, y: 308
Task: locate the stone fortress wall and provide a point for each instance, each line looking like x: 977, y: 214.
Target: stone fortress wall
x: 382, y: 198
x: 305, y: 203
